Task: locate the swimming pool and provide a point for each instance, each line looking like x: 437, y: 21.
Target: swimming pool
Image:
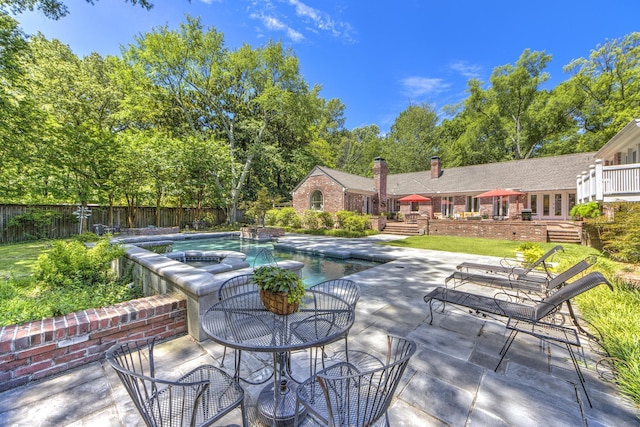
x: 316, y: 268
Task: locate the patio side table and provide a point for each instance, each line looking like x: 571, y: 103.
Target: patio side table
x: 242, y: 322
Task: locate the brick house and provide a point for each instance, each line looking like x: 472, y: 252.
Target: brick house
x: 548, y: 185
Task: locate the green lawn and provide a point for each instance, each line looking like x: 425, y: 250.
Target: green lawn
x: 490, y: 247
x: 16, y: 259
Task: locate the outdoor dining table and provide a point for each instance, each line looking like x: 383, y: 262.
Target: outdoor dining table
x: 242, y: 322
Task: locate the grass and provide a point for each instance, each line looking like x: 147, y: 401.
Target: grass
x: 615, y: 315
x: 16, y: 259
x: 490, y: 247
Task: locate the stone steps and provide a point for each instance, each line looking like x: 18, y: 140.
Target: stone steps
x: 401, y: 229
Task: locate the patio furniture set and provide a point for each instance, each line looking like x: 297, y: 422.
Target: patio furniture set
x: 343, y: 393
x: 347, y: 392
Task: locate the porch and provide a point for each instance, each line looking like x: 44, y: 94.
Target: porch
x: 609, y: 183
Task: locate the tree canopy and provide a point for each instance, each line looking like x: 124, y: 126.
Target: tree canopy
x: 180, y: 119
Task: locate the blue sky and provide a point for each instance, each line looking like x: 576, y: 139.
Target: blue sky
x: 376, y: 56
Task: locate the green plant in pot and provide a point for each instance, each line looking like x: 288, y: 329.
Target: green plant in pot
x: 281, y: 290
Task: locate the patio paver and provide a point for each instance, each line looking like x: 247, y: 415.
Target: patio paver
x: 449, y: 382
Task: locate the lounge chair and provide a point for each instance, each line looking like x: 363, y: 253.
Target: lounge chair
x: 506, y: 265
x: 519, y: 311
x: 530, y: 283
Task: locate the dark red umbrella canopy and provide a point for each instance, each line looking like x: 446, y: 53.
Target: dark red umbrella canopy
x: 499, y: 192
x: 414, y: 198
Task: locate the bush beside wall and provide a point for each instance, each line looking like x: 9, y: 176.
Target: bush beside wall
x: 38, y: 349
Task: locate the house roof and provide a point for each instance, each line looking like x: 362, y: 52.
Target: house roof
x: 621, y: 140
x: 529, y: 175
x: 349, y: 181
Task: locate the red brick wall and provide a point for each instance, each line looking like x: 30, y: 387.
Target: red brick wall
x: 331, y: 190
x: 38, y: 349
x: 504, y: 230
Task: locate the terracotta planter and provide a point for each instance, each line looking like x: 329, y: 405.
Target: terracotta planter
x: 276, y: 302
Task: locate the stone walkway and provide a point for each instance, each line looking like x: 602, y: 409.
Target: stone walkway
x: 450, y: 380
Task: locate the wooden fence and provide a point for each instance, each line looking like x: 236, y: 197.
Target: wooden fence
x: 67, y: 224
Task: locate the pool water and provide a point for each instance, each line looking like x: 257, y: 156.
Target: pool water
x: 316, y: 268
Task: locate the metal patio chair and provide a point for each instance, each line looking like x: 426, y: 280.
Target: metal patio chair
x: 536, y: 284
x: 345, y: 395
x: 519, y: 311
x: 347, y: 290
x: 516, y: 270
x: 198, y: 398
x: 237, y: 285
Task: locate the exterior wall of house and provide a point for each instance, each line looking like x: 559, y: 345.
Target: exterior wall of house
x: 333, y: 196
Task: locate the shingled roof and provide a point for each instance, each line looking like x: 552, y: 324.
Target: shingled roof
x: 530, y: 175
x: 353, y: 183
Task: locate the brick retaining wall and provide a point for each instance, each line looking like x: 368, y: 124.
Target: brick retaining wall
x: 530, y: 231
x: 38, y: 349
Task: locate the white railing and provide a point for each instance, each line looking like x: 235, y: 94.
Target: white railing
x: 609, y: 183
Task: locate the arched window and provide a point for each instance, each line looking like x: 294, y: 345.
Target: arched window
x: 317, y: 200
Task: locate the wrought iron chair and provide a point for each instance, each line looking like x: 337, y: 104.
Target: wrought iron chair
x: 237, y: 285
x: 536, y: 284
x: 349, y: 292
x: 345, y: 395
x: 519, y: 311
x: 198, y: 398
x: 515, y: 270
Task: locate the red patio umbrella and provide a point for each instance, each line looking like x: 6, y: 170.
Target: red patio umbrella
x: 499, y: 192
x: 414, y: 198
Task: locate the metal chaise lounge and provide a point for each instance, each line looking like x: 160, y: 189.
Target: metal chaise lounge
x: 513, y: 270
x: 514, y: 310
x: 529, y: 283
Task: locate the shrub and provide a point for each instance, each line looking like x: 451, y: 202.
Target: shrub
x: 621, y: 238
x: 73, y: 264
x: 326, y: 219
x: 310, y: 220
x: 271, y: 217
x: 353, y: 221
x: 530, y: 251
x: 87, y: 237
x: 288, y: 217
x: 585, y: 210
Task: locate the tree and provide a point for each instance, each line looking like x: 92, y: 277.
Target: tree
x: 253, y: 99
x: 513, y: 118
x: 605, y: 89
x: 53, y: 9
x: 358, y: 150
x: 412, y: 140
x: 80, y: 102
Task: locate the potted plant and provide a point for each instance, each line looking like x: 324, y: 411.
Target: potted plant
x: 281, y: 290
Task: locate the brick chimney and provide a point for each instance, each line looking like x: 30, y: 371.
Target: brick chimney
x: 380, y: 172
x: 436, y: 168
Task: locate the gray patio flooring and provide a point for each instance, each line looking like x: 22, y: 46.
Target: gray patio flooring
x: 450, y: 381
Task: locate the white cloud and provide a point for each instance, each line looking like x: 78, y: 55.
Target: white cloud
x: 467, y: 70
x: 296, y: 18
x: 274, y: 24
x: 322, y: 20
x: 211, y: 1
x: 418, y: 86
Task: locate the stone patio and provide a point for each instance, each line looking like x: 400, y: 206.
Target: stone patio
x: 450, y: 381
